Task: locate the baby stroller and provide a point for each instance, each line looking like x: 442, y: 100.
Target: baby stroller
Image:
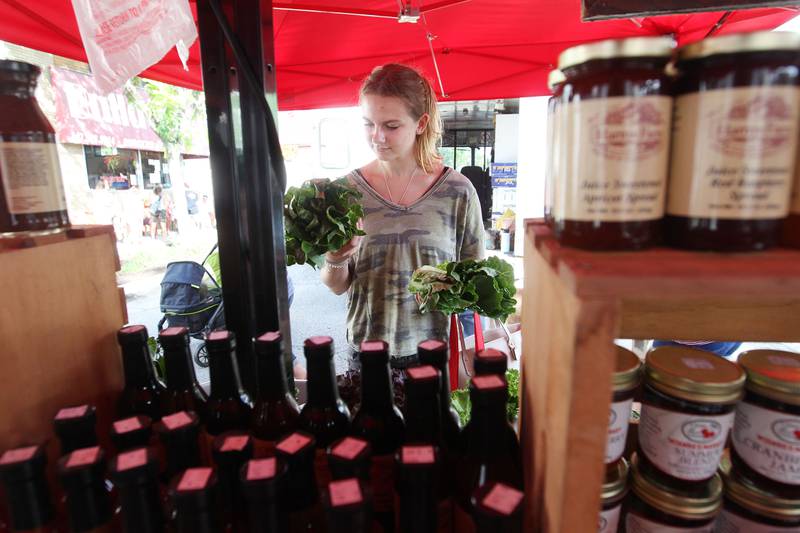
x: 187, y: 300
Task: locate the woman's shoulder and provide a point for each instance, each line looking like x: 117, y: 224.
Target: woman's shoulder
x: 457, y: 180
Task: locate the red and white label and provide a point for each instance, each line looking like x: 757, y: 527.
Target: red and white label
x: 488, y: 382
x: 18, y: 455
x: 422, y: 372
x: 83, y: 457
x: 609, y: 520
x: 619, y: 419
x: 258, y: 469
x: 31, y: 177
x: 127, y: 425
x: 503, y: 499
x: 72, y: 412
x: 728, y: 522
x: 235, y: 443
x: 293, y: 443
x: 195, y: 479
x: 685, y: 446
x: 177, y: 420
x: 349, y: 448
x: 637, y: 524
x: 345, y: 492
x: 768, y: 441
x: 132, y: 459
x: 418, y: 455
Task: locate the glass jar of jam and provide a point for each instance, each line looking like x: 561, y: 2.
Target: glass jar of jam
x: 31, y: 192
x: 555, y: 81
x: 749, y: 508
x: 687, y: 413
x: 765, y: 443
x: 655, y: 508
x: 614, y: 151
x: 624, y: 382
x: 737, y: 107
x: 615, y: 487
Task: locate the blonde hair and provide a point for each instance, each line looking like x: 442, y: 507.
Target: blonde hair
x: 406, y: 83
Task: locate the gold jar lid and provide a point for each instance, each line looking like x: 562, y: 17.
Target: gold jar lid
x: 556, y: 77
x: 694, y: 375
x: 616, y: 48
x: 757, y: 41
x: 627, y: 373
x: 773, y: 373
x: 701, y: 504
x: 616, y: 480
x: 746, y: 494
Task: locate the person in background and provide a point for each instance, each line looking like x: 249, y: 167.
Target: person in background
x: 192, y: 207
x: 158, y: 213
x: 417, y: 212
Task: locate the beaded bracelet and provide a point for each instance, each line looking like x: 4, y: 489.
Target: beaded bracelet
x: 337, y: 266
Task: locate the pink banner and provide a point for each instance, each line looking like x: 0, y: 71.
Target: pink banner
x: 84, y: 116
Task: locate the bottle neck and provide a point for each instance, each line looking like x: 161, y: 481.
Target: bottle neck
x: 322, y: 388
x: 272, y: 384
x: 29, y: 503
x: 444, y: 387
x: 224, y: 373
x: 423, y: 424
x: 488, y: 418
x: 418, y: 503
x: 183, y: 451
x: 180, y: 374
x: 141, y: 507
x: 76, y: 438
x: 89, y: 506
x: 303, y: 491
x: 138, y: 366
x: 377, y: 396
x: 196, y: 519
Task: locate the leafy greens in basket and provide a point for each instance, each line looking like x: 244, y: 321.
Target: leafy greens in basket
x: 485, y: 286
x: 320, y: 216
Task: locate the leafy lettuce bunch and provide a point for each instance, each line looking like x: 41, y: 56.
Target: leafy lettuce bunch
x: 485, y: 286
x: 320, y: 216
x: 460, y: 401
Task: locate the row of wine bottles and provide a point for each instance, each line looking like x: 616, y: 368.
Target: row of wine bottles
x: 480, y: 462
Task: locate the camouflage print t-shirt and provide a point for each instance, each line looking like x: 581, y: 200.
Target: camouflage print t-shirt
x: 444, y: 225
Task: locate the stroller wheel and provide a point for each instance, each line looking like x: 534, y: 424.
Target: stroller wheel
x: 201, y: 356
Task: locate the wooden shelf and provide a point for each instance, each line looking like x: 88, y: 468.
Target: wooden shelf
x: 575, y: 304
x: 61, y: 310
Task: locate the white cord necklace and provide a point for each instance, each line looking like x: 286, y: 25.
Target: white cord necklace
x: 389, y: 191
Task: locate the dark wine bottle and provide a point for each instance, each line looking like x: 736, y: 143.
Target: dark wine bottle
x: 350, y: 457
x: 76, y: 428
x: 229, y: 407
x: 183, y: 392
x: 82, y: 473
x: 135, y: 473
x: 435, y: 352
x: 133, y: 432
x: 305, y: 511
x: 22, y: 472
x: 264, y: 483
x: 231, y: 451
x: 497, y: 508
x: 275, y: 411
x: 417, y: 486
x: 380, y: 423
x: 324, y: 415
x: 491, y: 450
x: 142, y: 392
x: 490, y: 361
x: 194, y: 495
x: 180, y: 435
x: 347, y: 505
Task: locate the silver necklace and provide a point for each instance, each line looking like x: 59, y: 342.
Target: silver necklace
x: 389, y: 191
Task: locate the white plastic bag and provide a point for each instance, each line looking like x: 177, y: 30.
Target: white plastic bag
x: 124, y: 37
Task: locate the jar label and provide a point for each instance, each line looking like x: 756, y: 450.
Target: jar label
x: 609, y: 520
x: 613, y: 159
x: 637, y: 524
x: 31, y: 177
x: 728, y: 522
x: 619, y: 419
x: 769, y: 442
x: 685, y: 446
x: 733, y: 153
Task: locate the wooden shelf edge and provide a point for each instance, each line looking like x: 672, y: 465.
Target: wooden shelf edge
x: 22, y: 242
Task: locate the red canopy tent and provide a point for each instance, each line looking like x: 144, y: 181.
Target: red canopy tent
x: 324, y: 48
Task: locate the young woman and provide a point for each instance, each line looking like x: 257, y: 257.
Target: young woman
x: 416, y: 212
